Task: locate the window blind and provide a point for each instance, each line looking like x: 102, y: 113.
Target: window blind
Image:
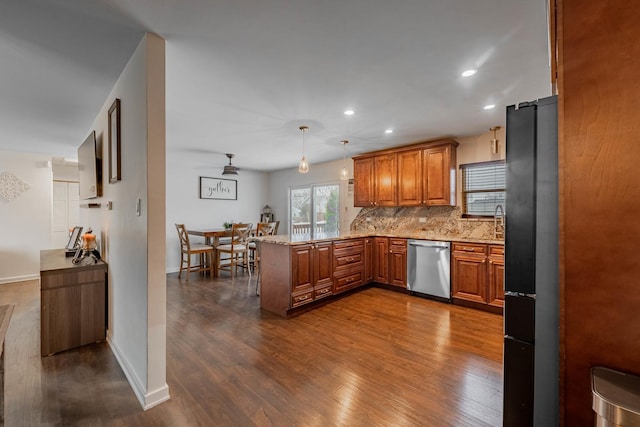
x: 483, y: 187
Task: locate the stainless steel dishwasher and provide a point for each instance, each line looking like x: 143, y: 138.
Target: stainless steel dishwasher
x: 428, y: 269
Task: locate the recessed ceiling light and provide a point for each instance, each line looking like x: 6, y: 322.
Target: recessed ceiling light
x: 388, y: 131
x: 489, y: 107
x: 469, y: 73
x: 349, y: 112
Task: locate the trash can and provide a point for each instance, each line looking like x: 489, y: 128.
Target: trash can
x: 616, y: 398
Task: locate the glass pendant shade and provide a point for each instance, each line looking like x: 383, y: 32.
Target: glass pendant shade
x: 344, y: 174
x: 303, y: 167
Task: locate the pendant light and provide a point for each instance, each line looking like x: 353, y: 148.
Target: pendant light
x: 494, y: 141
x: 303, y: 167
x: 344, y: 173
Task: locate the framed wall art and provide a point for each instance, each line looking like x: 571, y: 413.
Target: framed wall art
x: 218, y: 188
x: 114, y: 142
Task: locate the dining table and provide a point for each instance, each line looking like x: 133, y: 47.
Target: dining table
x: 212, y: 237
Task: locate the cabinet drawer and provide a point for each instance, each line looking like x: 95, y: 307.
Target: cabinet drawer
x: 496, y: 250
x: 351, y: 243
x: 348, y: 281
x: 72, y: 278
x: 348, y: 259
x: 401, y: 243
x: 302, y: 298
x: 323, y: 292
x: 475, y: 248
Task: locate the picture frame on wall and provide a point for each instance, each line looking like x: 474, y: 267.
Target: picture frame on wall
x: 218, y: 188
x: 114, y: 142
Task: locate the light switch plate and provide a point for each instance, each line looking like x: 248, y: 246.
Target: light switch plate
x: 422, y: 219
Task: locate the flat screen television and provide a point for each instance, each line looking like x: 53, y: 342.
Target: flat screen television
x: 90, y: 168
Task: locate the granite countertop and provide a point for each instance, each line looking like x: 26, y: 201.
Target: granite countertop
x: 306, y: 238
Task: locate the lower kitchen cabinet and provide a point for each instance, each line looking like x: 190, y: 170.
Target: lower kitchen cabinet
x: 496, y: 275
x: 398, y: 262
x: 349, y: 262
x: 390, y: 261
x: 478, y: 275
x: 368, y: 260
x: 381, y: 260
x: 311, y: 272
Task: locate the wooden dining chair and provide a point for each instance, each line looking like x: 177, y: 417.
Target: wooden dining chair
x: 276, y: 224
x: 237, y: 249
x: 263, y: 229
x: 187, y: 250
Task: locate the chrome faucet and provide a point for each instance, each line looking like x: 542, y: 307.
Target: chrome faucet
x: 498, y: 225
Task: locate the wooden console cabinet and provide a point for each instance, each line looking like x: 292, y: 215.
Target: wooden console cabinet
x: 72, y: 302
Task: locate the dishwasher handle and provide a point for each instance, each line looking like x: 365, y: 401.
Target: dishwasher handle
x: 436, y: 245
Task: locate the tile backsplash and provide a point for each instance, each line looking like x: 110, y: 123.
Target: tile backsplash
x: 440, y: 221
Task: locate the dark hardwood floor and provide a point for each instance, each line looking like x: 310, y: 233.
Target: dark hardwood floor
x: 373, y: 358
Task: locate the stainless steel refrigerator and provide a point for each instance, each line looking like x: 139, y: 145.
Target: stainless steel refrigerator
x: 531, y: 311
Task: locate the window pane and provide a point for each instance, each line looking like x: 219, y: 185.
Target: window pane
x: 300, y: 211
x: 483, y: 187
x: 484, y: 203
x: 314, y: 210
x: 326, y: 208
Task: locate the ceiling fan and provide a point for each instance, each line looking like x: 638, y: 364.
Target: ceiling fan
x: 230, y: 169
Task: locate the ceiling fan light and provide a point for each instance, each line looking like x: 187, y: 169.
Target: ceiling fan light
x: 230, y: 170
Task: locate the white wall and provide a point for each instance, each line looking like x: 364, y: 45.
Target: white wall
x: 134, y: 246
x: 25, y: 222
x: 64, y: 171
x: 322, y: 173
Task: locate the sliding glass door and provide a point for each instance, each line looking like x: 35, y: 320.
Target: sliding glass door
x: 314, y: 210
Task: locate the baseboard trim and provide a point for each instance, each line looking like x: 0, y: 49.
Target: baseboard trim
x: 27, y: 278
x: 146, y: 399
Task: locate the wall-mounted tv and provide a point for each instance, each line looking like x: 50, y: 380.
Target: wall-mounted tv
x: 90, y: 168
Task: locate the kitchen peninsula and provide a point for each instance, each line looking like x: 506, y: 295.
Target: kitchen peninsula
x: 300, y: 272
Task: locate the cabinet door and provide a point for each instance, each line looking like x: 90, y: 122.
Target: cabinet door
x: 301, y: 268
x: 368, y: 260
x: 60, y: 319
x: 469, y: 278
x: 385, y: 172
x: 381, y: 260
x: 398, y: 264
x: 363, y: 182
x: 322, y: 264
x: 440, y: 177
x: 496, y: 281
x: 410, y: 178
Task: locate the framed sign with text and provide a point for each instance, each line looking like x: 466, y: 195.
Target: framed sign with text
x: 218, y: 188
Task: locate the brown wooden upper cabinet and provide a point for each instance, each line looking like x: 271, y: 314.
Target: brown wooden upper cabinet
x: 421, y: 174
x: 386, y: 174
x: 363, y: 182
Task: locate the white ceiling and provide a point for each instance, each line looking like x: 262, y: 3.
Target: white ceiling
x: 243, y: 75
